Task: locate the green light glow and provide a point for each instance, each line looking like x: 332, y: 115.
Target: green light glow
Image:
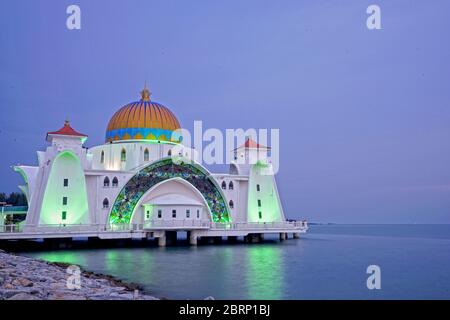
x: 65, y: 166
x: 264, y: 274
x: 162, y: 170
x: 270, y: 206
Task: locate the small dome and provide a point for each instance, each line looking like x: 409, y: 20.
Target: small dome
x: 143, y: 120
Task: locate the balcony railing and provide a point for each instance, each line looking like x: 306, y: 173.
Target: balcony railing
x: 149, y: 225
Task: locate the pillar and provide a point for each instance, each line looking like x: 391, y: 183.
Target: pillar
x: 162, y: 240
x: 297, y: 235
x: 192, y: 238
x: 282, y: 236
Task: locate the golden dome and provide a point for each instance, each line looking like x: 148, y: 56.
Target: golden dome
x: 143, y: 120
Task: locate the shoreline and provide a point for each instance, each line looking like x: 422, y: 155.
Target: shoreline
x: 24, y: 278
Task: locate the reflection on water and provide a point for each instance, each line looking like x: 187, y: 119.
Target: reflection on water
x: 70, y: 257
x: 328, y: 263
x: 225, y: 271
x: 264, y: 272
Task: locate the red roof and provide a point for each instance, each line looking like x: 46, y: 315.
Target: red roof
x: 67, y: 130
x: 252, y: 144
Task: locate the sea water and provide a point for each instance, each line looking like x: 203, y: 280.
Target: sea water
x: 329, y: 262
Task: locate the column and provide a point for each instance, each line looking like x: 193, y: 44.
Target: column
x: 162, y: 239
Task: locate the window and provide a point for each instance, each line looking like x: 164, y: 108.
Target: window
x: 231, y: 203
x: 169, y: 153
x: 174, y: 213
x: 224, y: 185
x: 64, y: 215
x: 159, y: 214
x: 102, y: 157
x: 66, y: 182
x: 259, y: 203
x: 106, y: 182
x: 258, y: 188
x: 64, y: 201
x: 260, y: 214
x: 198, y: 213
x: 231, y: 185
x: 147, y: 214
x: 188, y: 213
x: 115, y: 182
x: 105, y: 203
x: 123, y: 155
x: 146, y: 155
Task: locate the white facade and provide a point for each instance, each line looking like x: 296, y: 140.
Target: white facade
x: 106, y: 169
x: 147, y: 184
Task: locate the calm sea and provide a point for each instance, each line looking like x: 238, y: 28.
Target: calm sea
x: 329, y: 262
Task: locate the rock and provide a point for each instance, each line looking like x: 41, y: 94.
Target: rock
x: 23, y: 296
x: 23, y: 278
x: 8, y: 286
x: 23, y: 282
x: 65, y: 296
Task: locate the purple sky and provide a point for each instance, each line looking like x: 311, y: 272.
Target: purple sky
x: 364, y: 115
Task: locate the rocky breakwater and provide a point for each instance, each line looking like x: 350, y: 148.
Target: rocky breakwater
x: 23, y: 278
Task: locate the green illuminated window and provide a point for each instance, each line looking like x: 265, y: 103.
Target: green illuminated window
x: 188, y: 213
x: 148, y: 214
x: 146, y: 155
x: 123, y: 155
x: 259, y: 203
x: 64, y: 215
x: 174, y: 213
x: 260, y: 214
x: 66, y: 182
x: 64, y: 201
x: 159, y: 214
x: 258, y: 188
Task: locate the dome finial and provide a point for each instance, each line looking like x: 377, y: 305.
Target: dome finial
x: 146, y: 93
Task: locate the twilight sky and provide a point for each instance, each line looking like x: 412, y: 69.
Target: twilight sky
x: 364, y: 116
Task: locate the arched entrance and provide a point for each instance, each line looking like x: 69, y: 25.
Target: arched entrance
x: 130, y: 195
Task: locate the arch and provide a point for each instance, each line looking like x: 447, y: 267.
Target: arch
x: 123, y: 155
x: 105, y: 203
x: 231, y: 204
x: 160, y: 189
x: 224, y: 185
x: 146, y: 178
x: 106, y: 182
x: 102, y: 157
x: 115, y: 182
x: 146, y: 155
x: 231, y: 185
x: 234, y: 169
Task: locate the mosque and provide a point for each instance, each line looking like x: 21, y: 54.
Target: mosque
x: 141, y: 184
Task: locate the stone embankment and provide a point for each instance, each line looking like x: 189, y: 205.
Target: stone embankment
x: 23, y: 278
